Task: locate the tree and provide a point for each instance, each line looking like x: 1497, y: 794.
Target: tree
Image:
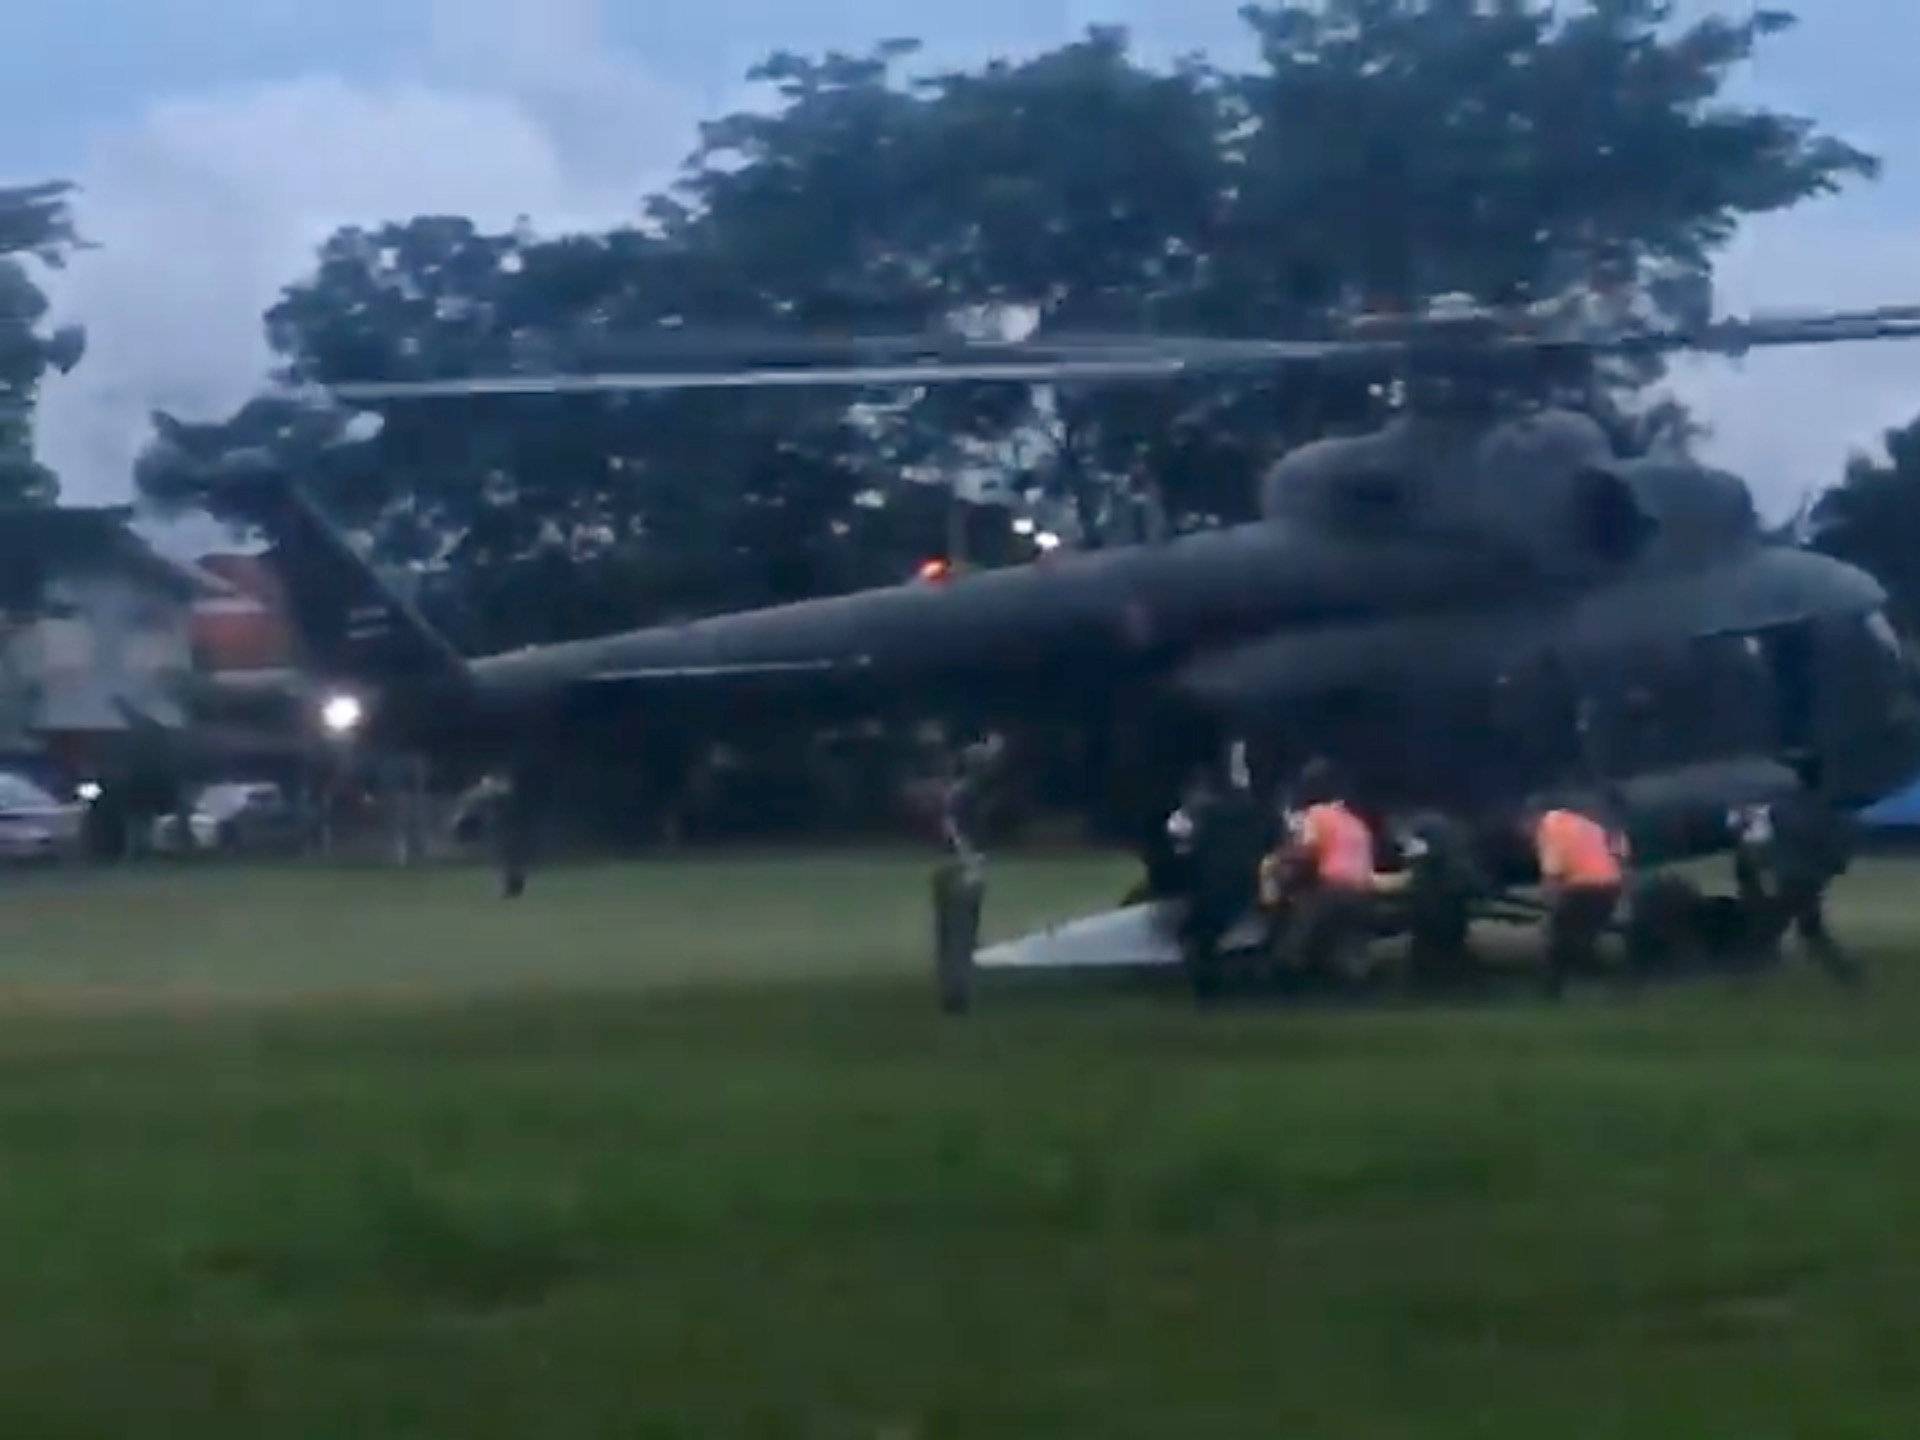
x: 1872, y: 519
x: 1398, y: 149
x: 1381, y: 148
x: 541, y: 520
x: 1079, y: 187
x: 36, y: 222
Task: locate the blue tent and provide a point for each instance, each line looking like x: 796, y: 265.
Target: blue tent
x: 1899, y: 811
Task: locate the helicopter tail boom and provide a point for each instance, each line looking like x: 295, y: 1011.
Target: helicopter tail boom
x: 353, y: 625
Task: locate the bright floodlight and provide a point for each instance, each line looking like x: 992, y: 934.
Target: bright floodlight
x: 1024, y: 525
x: 342, y: 715
x: 89, y: 791
x: 1047, y: 541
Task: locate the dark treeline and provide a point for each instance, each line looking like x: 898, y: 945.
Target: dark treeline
x: 1378, y: 152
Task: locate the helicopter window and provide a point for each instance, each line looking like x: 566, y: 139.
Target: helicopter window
x: 1609, y: 517
x: 1535, y: 717
x: 1880, y: 630
x: 1731, y: 693
x: 1369, y: 498
x: 1792, y: 659
x: 1635, y: 705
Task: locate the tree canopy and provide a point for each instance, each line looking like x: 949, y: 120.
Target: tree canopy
x: 1380, y: 150
x: 1872, y: 519
x: 35, y: 223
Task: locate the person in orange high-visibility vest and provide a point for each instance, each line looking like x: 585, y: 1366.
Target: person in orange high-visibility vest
x: 1330, y: 855
x: 1582, y: 869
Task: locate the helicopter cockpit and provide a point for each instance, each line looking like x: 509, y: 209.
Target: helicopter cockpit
x: 1696, y: 511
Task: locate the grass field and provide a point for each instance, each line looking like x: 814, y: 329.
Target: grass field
x: 683, y: 1150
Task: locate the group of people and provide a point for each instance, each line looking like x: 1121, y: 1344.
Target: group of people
x: 1327, y: 876
x: 1314, y: 869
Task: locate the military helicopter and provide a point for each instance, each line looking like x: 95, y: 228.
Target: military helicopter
x: 1477, y: 599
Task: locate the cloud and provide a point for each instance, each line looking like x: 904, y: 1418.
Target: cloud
x: 1788, y: 420
x: 616, y: 124
x: 207, y: 205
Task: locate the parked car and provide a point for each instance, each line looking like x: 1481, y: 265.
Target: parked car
x: 36, y: 825
x: 233, y: 817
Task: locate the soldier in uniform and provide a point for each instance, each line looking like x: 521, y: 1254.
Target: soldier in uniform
x: 963, y: 812
x: 1786, y: 857
x: 510, y: 799
x: 1225, y: 835
x: 1443, y: 879
x: 959, y: 885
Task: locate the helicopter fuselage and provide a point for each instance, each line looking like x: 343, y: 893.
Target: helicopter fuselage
x: 1436, y: 675
x: 1461, y: 613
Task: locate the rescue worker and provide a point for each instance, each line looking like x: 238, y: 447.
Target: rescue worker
x: 1786, y: 856
x: 1582, y: 870
x: 1329, y: 868
x: 1224, y: 836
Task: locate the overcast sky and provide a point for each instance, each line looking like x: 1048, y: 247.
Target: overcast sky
x: 219, y: 140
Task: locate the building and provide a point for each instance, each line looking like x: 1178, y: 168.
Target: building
x: 96, y: 650
x: 241, y: 638
x: 252, y: 704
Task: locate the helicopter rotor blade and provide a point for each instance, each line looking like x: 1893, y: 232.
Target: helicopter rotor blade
x: 1736, y: 337
x: 1065, y: 361
x: 670, y: 362
x: 786, y: 377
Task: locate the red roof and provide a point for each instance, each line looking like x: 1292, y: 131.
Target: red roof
x: 248, y: 574
x: 248, y: 629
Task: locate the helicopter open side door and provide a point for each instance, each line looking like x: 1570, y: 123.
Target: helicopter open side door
x: 1791, y: 655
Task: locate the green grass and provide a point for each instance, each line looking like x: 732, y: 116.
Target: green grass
x: 683, y: 1150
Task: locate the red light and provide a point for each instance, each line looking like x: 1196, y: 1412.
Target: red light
x: 935, y: 571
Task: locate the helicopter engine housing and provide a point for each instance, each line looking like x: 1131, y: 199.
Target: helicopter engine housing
x: 1544, y: 487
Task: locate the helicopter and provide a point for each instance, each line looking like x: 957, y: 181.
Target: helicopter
x: 1476, y: 599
